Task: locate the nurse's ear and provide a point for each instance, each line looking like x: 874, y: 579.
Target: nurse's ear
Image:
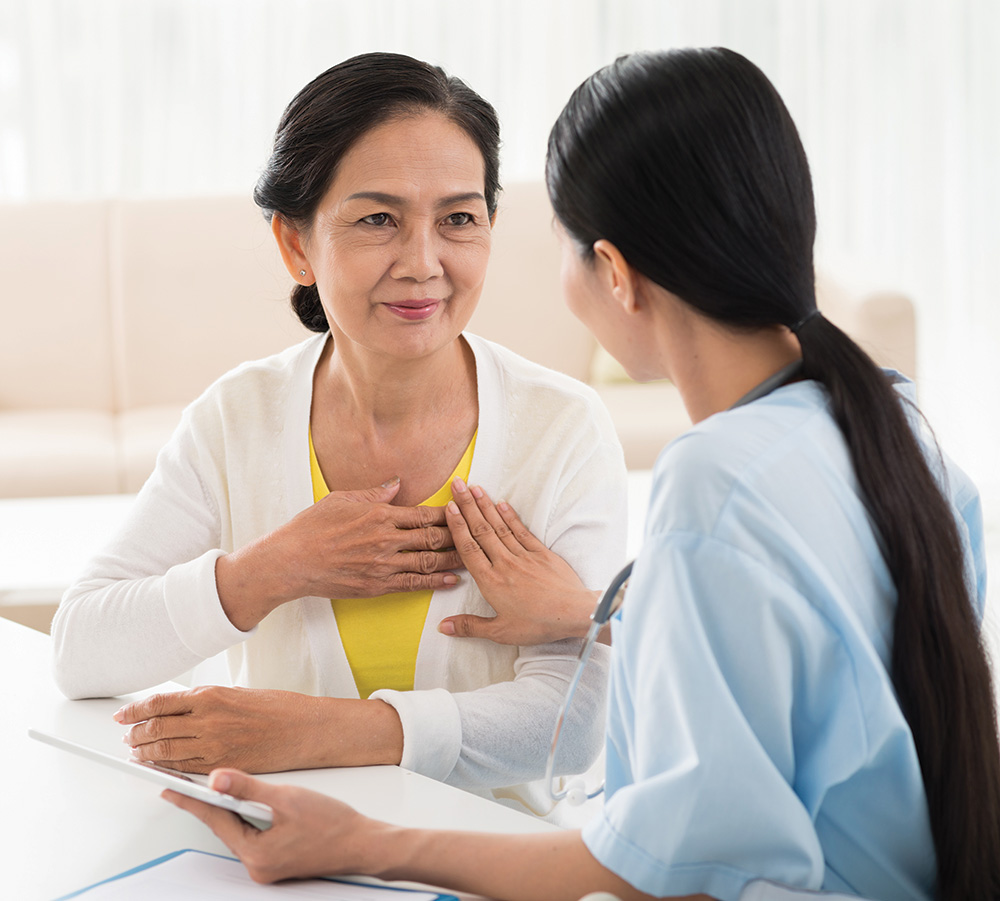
x: 290, y: 246
x: 619, y: 279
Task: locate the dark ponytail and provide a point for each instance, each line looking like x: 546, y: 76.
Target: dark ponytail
x: 939, y: 665
x: 690, y: 164
x: 337, y: 108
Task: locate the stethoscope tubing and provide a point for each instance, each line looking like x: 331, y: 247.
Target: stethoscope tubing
x: 602, y: 613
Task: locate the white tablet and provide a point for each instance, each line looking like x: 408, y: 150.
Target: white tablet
x: 259, y: 815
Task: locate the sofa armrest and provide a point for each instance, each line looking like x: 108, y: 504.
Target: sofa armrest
x: 882, y: 322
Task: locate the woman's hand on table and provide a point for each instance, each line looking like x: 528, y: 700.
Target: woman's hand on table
x: 536, y: 594
x: 351, y: 544
x: 262, y: 731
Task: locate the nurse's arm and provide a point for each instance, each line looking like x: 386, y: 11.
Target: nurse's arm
x: 315, y: 835
x: 538, y: 867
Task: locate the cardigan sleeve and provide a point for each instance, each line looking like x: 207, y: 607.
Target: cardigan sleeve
x: 146, y: 608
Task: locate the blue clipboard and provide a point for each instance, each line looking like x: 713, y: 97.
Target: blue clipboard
x: 400, y: 896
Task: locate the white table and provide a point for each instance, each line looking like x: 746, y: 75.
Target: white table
x: 44, y: 543
x: 68, y: 823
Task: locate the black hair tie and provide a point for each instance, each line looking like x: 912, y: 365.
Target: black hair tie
x: 797, y: 326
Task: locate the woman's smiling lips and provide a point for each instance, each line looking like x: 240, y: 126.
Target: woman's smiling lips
x: 414, y: 310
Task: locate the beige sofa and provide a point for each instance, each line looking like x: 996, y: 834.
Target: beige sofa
x: 118, y: 313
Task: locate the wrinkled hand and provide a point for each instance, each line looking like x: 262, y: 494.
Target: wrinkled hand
x: 351, y: 544
x: 536, y: 594
x: 195, y: 731
x: 311, y: 835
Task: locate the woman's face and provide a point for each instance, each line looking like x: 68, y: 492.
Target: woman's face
x: 399, y: 244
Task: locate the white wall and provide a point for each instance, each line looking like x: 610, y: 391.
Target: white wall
x: 898, y: 102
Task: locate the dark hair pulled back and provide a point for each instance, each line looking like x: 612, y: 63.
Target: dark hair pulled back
x: 337, y: 108
x: 690, y: 164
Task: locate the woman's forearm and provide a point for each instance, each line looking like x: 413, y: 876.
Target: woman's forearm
x: 253, y: 581
x: 350, y: 732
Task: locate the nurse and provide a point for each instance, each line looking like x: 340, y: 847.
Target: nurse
x: 799, y: 689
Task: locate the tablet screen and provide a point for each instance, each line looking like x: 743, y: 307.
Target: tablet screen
x: 259, y: 815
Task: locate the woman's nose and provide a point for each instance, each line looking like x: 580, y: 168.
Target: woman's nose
x: 419, y: 255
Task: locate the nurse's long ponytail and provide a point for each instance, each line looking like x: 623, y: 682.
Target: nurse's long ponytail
x: 939, y: 665
x: 689, y: 163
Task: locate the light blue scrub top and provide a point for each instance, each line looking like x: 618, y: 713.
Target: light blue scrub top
x: 753, y: 728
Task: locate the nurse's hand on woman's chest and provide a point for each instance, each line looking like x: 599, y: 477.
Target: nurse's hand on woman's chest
x: 536, y: 594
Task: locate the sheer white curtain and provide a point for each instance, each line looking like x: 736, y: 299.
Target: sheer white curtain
x: 898, y: 102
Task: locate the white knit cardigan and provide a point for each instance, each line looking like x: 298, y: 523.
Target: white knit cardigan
x: 146, y: 609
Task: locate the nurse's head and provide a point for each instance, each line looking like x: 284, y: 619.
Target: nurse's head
x: 690, y: 165
x: 684, y: 169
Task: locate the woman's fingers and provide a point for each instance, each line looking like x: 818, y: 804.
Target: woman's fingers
x: 411, y: 581
x: 417, y: 518
x: 171, y: 703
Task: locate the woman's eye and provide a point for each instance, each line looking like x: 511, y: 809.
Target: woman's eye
x: 377, y: 219
x: 459, y: 219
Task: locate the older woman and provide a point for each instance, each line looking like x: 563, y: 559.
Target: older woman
x: 321, y: 474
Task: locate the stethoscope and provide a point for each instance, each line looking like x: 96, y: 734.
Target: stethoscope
x: 610, y: 601
x: 576, y: 792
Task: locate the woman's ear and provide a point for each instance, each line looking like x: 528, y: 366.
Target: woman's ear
x: 619, y: 278
x: 289, y: 240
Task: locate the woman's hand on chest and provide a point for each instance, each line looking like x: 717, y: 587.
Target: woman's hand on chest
x: 350, y: 544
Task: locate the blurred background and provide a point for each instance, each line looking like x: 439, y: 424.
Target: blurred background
x: 898, y: 103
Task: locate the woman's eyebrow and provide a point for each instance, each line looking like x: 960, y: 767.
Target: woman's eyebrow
x: 462, y: 198
x: 395, y: 200
x: 378, y: 197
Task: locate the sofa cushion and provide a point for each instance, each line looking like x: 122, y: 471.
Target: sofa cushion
x: 49, y: 452
x: 198, y: 288
x: 55, y: 343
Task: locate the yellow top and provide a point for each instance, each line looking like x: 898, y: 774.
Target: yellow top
x: 381, y: 635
